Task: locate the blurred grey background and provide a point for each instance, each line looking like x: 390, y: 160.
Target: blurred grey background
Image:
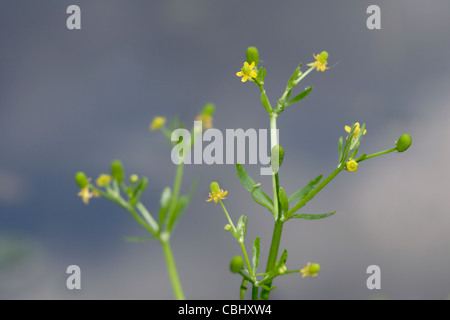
x: 75, y: 100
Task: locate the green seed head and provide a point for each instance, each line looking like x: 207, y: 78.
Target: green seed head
x: 252, y: 55
x: 209, y: 109
x: 323, y: 56
x: 214, y: 187
x: 403, y: 143
x: 81, y: 180
x: 236, y: 264
x: 227, y: 227
x: 117, y: 170
x: 314, y: 268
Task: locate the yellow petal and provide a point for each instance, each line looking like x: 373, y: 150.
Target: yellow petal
x: 252, y: 65
x: 239, y: 74
x: 246, y: 64
x: 253, y: 74
x: 244, y: 78
x: 348, y: 129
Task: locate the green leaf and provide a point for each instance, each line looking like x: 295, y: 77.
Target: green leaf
x: 256, y: 251
x: 261, y: 75
x: 306, y: 190
x: 294, y: 77
x: 241, y: 229
x: 243, y: 288
x: 300, y: 96
x: 361, y: 157
x: 312, y: 216
x: 265, y: 102
x: 341, y: 142
x: 283, y: 200
x: 177, y: 212
x: 138, y: 239
x: 257, y: 193
x: 283, y: 259
x: 164, y: 203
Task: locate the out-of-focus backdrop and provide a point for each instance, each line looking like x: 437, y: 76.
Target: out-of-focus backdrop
x: 75, y: 100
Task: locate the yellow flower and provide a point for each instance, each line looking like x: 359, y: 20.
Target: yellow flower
x: 311, y: 270
x: 216, y: 195
x: 103, y: 180
x: 356, y: 131
x: 86, y: 194
x: 206, y: 120
x: 248, y: 71
x: 352, y: 165
x: 157, y: 123
x: 321, y: 61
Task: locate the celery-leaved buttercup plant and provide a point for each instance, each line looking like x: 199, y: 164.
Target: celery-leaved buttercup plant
x: 283, y: 207
x: 127, y: 192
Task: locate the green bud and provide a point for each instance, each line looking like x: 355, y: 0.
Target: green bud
x: 81, y: 180
x: 314, y: 268
x: 282, y: 270
x: 403, y: 143
x: 214, y: 187
x: 227, y: 227
x: 134, y: 178
x: 236, y: 264
x: 117, y: 170
x: 209, y: 109
x: 253, y: 55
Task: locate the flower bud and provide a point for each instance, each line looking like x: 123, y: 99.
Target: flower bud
x: 117, y: 170
x: 236, y: 264
x: 157, y: 123
x: 134, y: 178
x: 403, y: 143
x: 214, y: 187
x: 227, y: 227
x: 81, y: 180
x: 253, y: 55
x: 282, y: 270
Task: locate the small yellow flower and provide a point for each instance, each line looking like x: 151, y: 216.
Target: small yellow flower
x: 157, y: 123
x: 321, y: 61
x: 311, y: 270
x: 248, y: 71
x: 216, y: 195
x: 356, y: 131
x: 206, y: 120
x: 86, y: 194
x: 352, y: 165
x: 103, y: 180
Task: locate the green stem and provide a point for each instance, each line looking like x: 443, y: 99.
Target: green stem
x: 255, y: 292
x: 276, y: 237
x: 247, y: 261
x: 172, y: 269
x: 228, y: 216
x: 176, y: 186
x: 378, y: 154
x: 303, y: 75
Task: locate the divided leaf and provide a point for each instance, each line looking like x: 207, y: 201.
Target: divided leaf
x: 259, y: 196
